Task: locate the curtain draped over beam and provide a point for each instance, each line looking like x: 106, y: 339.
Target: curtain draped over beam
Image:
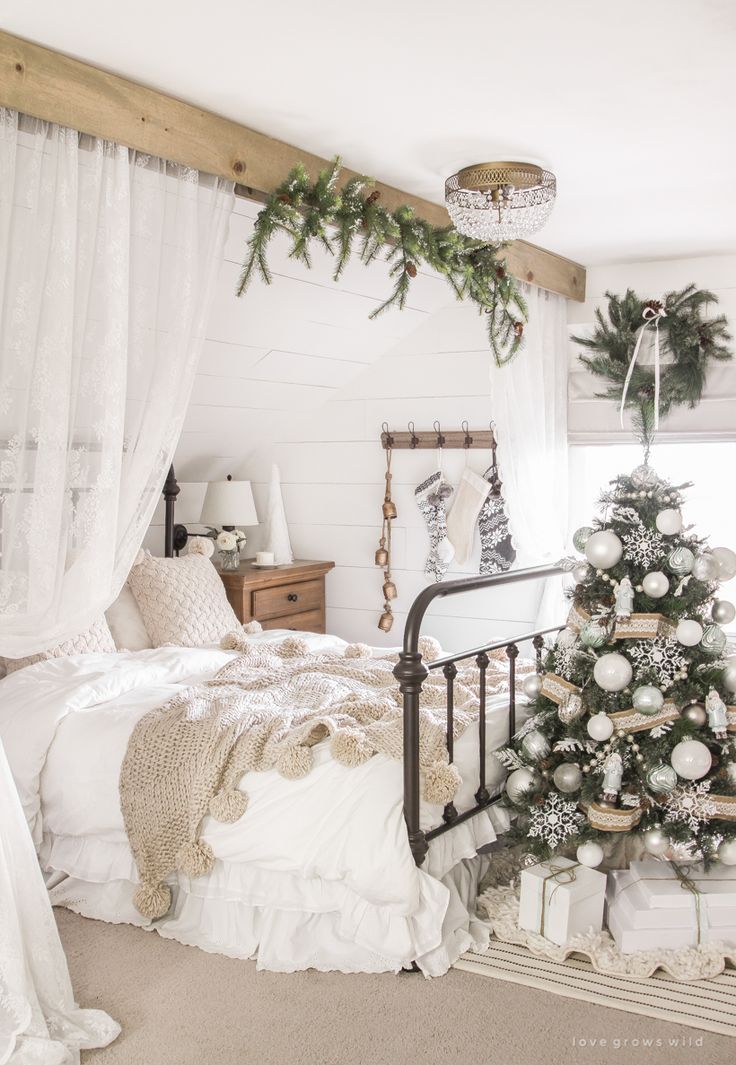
x: 529, y: 400
x: 108, y: 259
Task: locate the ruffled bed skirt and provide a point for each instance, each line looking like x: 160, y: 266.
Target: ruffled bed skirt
x: 288, y: 922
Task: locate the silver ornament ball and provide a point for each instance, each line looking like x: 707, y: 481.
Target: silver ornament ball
x: 531, y: 685
x: 725, y: 562
x: 729, y: 675
x: 592, y: 634
x: 520, y: 781
x: 656, y: 841
x: 723, y: 612
x: 695, y: 714
x: 647, y: 699
x: 662, y: 779
x: 580, y: 572
x: 535, y: 745
x: 680, y: 561
x: 705, y: 567
x: 581, y: 537
x: 567, y: 777
x: 713, y: 641
x: 644, y: 477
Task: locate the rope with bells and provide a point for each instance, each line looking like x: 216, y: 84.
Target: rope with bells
x: 383, y: 553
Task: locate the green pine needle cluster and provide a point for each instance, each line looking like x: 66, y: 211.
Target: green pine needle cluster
x: 688, y: 341
x: 340, y: 218
x: 571, y: 742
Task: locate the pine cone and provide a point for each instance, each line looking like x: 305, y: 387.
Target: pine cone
x: 500, y: 272
x: 411, y: 269
x: 373, y: 198
x: 653, y: 305
x: 284, y: 198
x: 519, y: 328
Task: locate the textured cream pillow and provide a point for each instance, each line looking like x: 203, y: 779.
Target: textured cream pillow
x: 97, y: 639
x: 182, y: 600
x: 126, y: 623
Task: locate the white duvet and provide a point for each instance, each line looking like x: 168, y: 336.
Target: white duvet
x: 317, y: 873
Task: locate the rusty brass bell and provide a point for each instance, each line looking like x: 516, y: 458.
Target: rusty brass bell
x: 389, y: 508
x: 389, y: 589
x: 386, y: 619
x: 381, y: 556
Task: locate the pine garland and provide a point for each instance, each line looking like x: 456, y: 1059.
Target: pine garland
x: 321, y: 212
x: 689, y: 341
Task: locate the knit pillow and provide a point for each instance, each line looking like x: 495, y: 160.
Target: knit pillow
x: 182, y: 600
x: 96, y: 640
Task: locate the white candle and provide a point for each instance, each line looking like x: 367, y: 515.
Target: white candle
x: 264, y: 558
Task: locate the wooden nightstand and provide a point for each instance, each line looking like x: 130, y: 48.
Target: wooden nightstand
x: 280, y: 597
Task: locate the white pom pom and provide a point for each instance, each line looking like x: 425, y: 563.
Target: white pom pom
x: 200, y: 545
x: 252, y: 627
x: 358, y: 650
x: 429, y: 648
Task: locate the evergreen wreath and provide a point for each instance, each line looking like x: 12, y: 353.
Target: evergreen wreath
x: 689, y: 341
x: 335, y: 217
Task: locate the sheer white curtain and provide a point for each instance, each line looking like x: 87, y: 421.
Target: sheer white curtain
x: 107, y: 266
x: 529, y: 400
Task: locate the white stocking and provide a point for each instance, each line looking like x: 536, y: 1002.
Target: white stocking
x: 469, y: 498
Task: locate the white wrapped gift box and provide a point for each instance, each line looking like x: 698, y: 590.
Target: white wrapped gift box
x: 561, y: 899
x: 650, y: 907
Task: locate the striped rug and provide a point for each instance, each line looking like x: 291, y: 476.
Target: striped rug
x: 706, y: 1004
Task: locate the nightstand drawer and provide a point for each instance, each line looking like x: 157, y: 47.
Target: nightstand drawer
x: 309, y: 621
x: 287, y: 599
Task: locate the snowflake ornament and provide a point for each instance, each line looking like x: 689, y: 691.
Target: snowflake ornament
x: 642, y: 546
x: 691, y: 805
x: 565, y: 660
x: 664, y: 656
x: 555, y: 820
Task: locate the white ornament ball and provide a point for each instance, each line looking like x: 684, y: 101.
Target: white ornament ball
x: 519, y: 781
x: 647, y: 699
x: 725, y: 562
x: 723, y: 612
x: 580, y: 572
x: 655, y: 584
x: 656, y: 841
x: 612, y: 672
x: 567, y: 777
x: 691, y: 759
x: 590, y: 854
x: 689, y: 633
x: 705, y: 567
x: 729, y: 674
x: 669, y: 522
x: 604, y: 549
x: 600, y: 727
x: 727, y: 852
x: 532, y: 685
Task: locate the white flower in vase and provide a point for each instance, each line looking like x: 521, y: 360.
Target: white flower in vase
x: 241, y: 538
x: 227, y: 541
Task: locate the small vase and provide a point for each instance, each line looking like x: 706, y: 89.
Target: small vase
x: 229, y: 560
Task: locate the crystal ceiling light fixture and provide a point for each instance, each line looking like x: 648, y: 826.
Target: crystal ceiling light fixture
x: 498, y: 202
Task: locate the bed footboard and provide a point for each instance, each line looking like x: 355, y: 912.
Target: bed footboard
x: 411, y: 672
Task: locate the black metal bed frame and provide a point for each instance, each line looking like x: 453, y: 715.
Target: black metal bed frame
x: 411, y: 672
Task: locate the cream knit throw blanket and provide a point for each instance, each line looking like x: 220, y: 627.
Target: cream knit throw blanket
x: 264, y: 710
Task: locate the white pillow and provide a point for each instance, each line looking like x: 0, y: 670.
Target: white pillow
x: 126, y: 623
x: 97, y: 639
x: 182, y: 600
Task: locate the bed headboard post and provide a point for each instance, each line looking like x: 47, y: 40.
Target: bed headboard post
x: 171, y: 491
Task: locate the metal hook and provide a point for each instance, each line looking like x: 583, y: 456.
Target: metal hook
x: 386, y: 434
x: 467, y: 442
x: 414, y: 442
x: 440, y: 437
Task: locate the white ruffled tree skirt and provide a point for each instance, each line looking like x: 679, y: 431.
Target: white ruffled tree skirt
x: 501, y: 905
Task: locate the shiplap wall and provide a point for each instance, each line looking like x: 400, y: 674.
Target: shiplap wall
x: 296, y: 373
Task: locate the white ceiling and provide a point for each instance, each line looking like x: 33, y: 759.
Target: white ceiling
x: 630, y: 103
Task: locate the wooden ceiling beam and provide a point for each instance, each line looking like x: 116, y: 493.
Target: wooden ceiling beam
x: 48, y: 85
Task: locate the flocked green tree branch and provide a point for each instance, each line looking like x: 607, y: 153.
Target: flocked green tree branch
x: 338, y: 218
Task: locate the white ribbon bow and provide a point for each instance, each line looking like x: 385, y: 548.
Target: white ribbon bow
x: 651, y: 315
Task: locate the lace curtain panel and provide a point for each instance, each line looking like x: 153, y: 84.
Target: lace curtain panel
x: 40, y: 1023
x: 108, y: 260
x: 529, y: 401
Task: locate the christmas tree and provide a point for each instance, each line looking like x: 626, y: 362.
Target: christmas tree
x: 630, y: 728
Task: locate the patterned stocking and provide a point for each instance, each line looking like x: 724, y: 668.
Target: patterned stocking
x: 497, y: 551
x: 431, y: 496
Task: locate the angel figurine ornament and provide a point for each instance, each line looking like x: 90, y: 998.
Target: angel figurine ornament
x: 624, y: 599
x: 717, y: 716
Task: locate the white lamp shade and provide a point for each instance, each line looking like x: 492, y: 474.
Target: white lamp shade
x: 229, y: 503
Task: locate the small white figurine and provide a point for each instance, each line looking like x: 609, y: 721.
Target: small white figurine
x: 717, y: 718
x: 624, y: 599
x: 613, y: 771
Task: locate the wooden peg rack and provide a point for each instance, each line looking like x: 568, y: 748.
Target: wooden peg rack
x: 431, y: 439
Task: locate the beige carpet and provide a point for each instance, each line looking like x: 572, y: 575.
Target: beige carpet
x: 180, y: 1006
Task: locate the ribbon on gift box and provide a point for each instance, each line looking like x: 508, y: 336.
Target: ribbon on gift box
x: 687, y: 883
x: 567, y: 872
